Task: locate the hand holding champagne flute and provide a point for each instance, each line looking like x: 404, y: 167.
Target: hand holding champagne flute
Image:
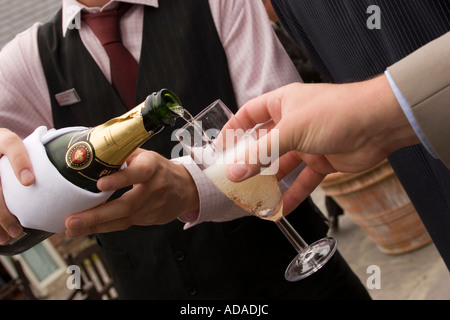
x: 213, y: 139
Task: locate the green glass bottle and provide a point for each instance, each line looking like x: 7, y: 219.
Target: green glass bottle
x: 83, y: 157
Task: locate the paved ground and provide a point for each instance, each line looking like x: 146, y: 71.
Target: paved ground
x: 16, y: 16
x: 417, y: 275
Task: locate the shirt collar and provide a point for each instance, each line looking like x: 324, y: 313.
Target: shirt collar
x: 72, y: 8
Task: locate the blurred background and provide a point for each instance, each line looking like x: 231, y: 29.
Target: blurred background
x: 16, y: 16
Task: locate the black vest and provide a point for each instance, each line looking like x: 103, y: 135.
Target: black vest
x: 198, y: 73
x: 335, y: 36
x: 245, y: 258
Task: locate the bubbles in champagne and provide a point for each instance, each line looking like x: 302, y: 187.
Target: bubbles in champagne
x: 259, y: 195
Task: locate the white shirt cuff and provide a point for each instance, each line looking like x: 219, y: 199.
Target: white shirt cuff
x: 409, y: 114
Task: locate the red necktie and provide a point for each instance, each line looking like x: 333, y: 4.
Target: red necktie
x: 124, y: 68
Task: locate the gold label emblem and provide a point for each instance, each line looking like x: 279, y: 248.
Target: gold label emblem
x: 79, y: 156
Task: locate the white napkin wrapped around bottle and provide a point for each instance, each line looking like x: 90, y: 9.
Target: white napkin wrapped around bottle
x: 47, y: 203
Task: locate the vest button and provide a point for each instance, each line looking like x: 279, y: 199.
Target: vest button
x: 191, y: 290
x: 179, y: 256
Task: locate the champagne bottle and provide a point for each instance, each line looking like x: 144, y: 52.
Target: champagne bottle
x: 83, y: 157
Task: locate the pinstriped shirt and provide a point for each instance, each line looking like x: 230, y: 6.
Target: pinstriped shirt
x: 256, y: 60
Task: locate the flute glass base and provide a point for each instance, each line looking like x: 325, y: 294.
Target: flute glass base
x: 311, y: 259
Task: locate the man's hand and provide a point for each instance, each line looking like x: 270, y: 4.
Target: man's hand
x: 329, y: 127
x: 12, y: 147
x: 162, y: 190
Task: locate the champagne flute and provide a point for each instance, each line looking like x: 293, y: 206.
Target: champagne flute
x: 213, y: 148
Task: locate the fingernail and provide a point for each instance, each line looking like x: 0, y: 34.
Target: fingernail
x: 238, y: 171
x: 26, y: 177
x: 14, y: 231
x: 106, y: 184
x: 75, y: 227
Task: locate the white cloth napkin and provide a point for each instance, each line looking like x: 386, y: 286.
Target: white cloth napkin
x: 51, y: 199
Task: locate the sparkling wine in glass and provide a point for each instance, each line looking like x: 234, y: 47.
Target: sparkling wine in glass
x: 213, y: 148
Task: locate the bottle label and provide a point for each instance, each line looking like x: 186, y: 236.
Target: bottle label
x: 80, y: 156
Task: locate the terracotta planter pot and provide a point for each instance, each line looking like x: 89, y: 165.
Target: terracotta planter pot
x: 376, y: 201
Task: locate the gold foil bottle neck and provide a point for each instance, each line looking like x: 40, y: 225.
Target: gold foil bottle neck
x: 117, y: 138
